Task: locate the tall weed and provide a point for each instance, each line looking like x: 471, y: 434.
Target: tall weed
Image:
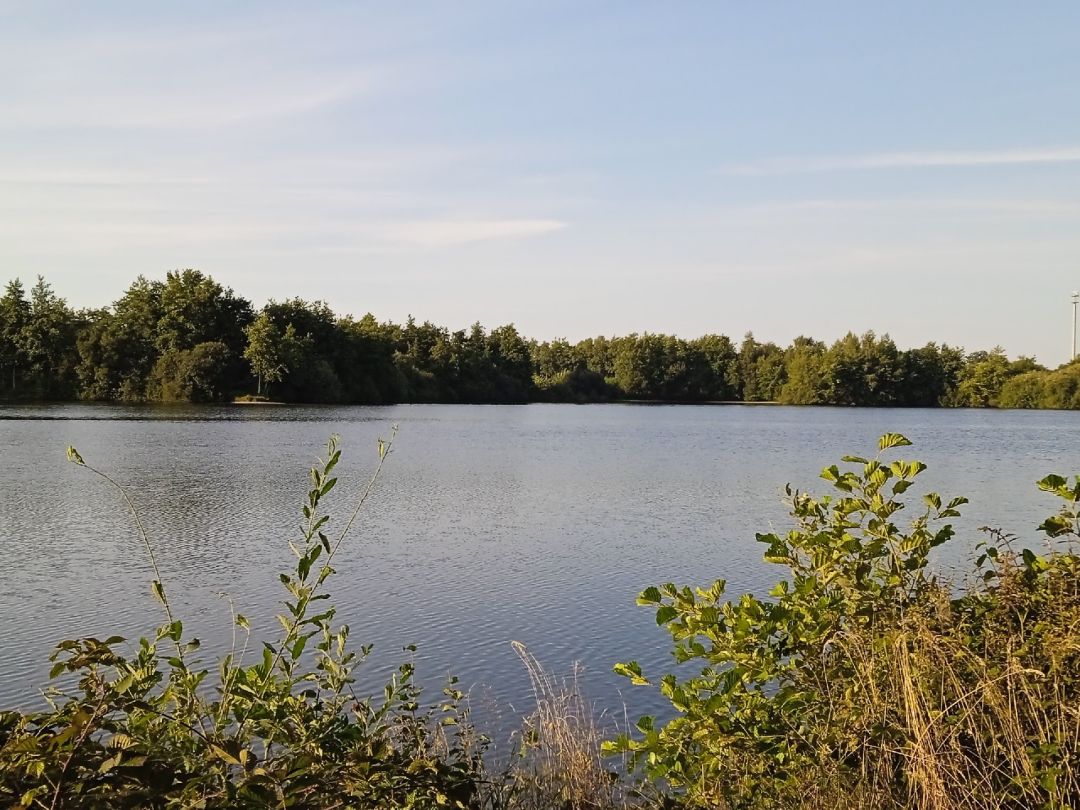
x: 149, y: 725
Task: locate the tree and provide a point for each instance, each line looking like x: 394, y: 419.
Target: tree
x: 198, y: 374
x: 14, y: 316
x: 512, y: 364
x: 714, y: 368
x: 196, y: 309
x: 805, y: 383
x: 982, y: 379
x: 48, y: 341
x: 118, y: 353
x: 761, y: 370
x: 263, y: 351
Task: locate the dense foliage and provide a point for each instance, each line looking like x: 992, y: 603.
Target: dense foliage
x: 862, y: 681
x: 188, y: 339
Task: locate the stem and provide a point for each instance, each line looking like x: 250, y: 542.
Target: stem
x: 367, y: 491
x: 71, y: 755
x: 73, y: 455
x: 146, y: 544
x: 295, y: 624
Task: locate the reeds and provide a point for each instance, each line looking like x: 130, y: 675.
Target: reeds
x: 561, y: 765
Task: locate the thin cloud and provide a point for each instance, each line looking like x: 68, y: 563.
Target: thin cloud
x: 95, y: 178
x: 442, y: 233
x: 906, y: 160
x: 204, y: 107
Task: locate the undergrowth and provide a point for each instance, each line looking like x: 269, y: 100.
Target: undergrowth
x: 862, y: 681
x: 150, y: 725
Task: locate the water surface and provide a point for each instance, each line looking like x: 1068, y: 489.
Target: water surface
x: 535, y: 523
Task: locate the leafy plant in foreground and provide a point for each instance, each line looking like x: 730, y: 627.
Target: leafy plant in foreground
x: 863, y: 682
x: 152, y: 726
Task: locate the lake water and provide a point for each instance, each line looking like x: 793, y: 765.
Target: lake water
x: 536, y: 523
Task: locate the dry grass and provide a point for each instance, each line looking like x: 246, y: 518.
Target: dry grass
x: 964, y: 728
x: 561, y: 765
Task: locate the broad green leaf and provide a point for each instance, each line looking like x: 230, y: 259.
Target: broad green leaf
x: 890, y: 440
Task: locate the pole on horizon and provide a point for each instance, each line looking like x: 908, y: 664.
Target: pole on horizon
x: 1075, y: 301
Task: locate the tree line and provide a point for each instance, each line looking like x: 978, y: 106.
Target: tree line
x: 189, y: 339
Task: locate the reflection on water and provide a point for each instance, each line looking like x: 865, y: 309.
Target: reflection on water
x: 536, y: 523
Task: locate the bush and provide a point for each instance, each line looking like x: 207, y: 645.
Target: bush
x: 149, y: 725
x: 862, y: 681
x: 199, y: 374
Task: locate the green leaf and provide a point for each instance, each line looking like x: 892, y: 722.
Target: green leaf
x: 665, y: 614
x: 631, y: 670
x: 649, y: 596
x: 159, y: 591
x: 1056, y: 526
x: 227, y: 756
x: 890, y: 440
x: 1052, y: 483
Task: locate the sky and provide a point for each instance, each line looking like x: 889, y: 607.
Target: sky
x: 576, y: 168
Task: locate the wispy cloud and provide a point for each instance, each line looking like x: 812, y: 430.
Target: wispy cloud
x: 906, y: 160
x: 108, y: 230
x: 31, y: 177
x: 441, y: 233
x: 194, y: 108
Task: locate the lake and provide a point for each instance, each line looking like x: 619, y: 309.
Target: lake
x: 536, y: 523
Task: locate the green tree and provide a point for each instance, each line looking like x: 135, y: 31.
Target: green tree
x: 1061, y: 388
x: 713, y: 369
x: 48, y: 340
x: 119, y: 349
x: 805, y: 364
x: 982, y: 379
x: 929, y: 375
x: 198, y: 374
x: 1026, y: 390
x: 512, y: 365
x: 863, y: 370
x: 263, y: 351
x: 14, y: 316
x: 196, y: 309
x: 313, y: 350
x: 761, y: 370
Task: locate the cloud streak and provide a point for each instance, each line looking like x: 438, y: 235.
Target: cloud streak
x: 443, y: 233
x: 200, y: 107
x: 906, y: 160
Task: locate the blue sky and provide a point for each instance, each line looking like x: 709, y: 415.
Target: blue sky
x: 577, y: 168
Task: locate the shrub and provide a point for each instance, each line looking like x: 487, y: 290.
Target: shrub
x: 862, y: 681
x: 148, y: 725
